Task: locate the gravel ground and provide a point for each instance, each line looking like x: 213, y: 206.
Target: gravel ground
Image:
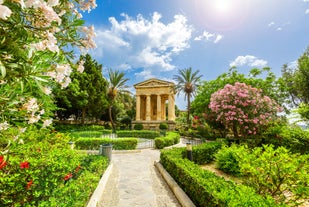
x: 135, y: 182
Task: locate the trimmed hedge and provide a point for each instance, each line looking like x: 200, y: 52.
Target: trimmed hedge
x: 205, y: 188
x: 148, y: 134
x: 79, y: 127
x: 204, y: 153
x: 171, y: 139
x: 93, y: 134
x: 94, y: 143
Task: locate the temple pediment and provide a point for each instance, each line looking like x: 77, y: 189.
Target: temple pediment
x: 154, y: 83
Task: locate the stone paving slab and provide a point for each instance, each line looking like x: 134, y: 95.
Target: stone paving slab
x: 135, y: 182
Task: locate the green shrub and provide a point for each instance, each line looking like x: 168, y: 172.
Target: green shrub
x: 204, y: 153
x: 148, y: 134
x: 205, y: 188
x: 163, y: 126
x: 277, y: 171
x: 228, y: 158
x: 74, y: 192
x: 36, y: 168
x: 138, y: 127
x: 94, y: 143
x: 293, y: 138
x: 171, y: 139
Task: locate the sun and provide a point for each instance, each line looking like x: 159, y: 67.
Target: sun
x: 222, y: 5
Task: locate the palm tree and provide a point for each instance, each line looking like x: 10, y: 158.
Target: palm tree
x: 117, y: 85
x: 187, y: 83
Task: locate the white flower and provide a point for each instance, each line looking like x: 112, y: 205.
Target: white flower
x: 5, y: 12
x: 47, y: 90
x: 34, y: 119
x: 4, y: 126
x: 53, y: 2
x: 33, y: 3
x: 47, y: 122
x: 31, y: 105
x: 80, y: 67
x: 22, y: 130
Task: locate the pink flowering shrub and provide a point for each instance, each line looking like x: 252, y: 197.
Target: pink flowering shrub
x: 243, y: 109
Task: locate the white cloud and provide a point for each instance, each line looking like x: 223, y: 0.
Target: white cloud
x: 306, y: 0
x: 278, y: 27
x: 143, y: 43
x: 307, y: 11
x: 271, y: 24
x: 145, y: 74
x: 249, y: 60
x: 218, y: 38
x: 207, y: 36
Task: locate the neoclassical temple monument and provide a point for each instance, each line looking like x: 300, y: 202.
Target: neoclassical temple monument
x: 151, y: 98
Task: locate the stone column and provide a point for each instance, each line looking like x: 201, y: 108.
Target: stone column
x: 138, y: 108
x: 171, y: 108
x: 148, y: 107
x: 163, y: 110
x: 159, y: 113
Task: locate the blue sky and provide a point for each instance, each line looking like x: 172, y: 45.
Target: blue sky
x: 155, y: 38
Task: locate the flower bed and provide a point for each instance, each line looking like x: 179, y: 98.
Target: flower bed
x: 41, y: 170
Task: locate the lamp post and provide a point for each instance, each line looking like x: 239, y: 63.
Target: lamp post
x: 189, y: 151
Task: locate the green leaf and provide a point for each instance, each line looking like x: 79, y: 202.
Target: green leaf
x: 2, y: 70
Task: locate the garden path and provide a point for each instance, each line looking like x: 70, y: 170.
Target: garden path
x: 135, y: 182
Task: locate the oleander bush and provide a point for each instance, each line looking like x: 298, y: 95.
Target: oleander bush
x: 170, y: 139
x: 94, y: 143
x: 204, y: 153
x: 205, y: 188
x: 148, y: 134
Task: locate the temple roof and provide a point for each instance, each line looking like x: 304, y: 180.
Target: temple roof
x: 153, y: 82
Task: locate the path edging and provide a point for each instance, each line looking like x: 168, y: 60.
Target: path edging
x: 96, y: 196
x: 181, y: 196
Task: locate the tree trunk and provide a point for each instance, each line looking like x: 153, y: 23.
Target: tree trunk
x: 188, y: 114
x: 83, y: 115
x: 235, y: 131
x: 111, y: 118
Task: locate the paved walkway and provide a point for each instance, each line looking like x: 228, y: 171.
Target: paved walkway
x: 135, y: 182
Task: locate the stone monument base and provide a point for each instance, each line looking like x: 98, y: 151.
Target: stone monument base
x: 154, y: 125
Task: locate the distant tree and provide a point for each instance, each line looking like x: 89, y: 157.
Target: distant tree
x: 86, y: 94
x: 117, y: 85
x: 296, y: 82
x: 187, y: 83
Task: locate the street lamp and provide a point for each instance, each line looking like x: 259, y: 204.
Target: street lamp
x: 189, y: 151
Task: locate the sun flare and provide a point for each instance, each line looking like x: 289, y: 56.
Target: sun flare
x: 222, y: 5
